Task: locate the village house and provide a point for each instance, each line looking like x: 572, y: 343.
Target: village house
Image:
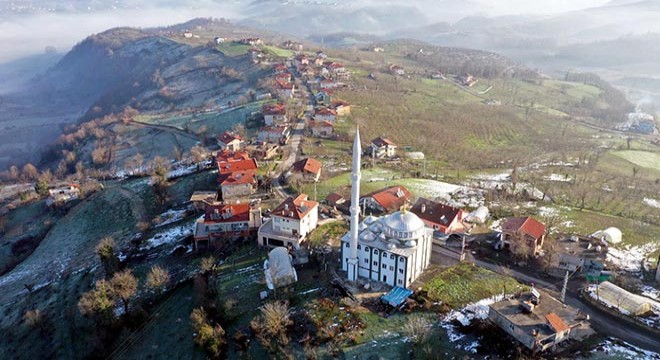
x: 468, y: 80
x: 309, y: 169
x: 230, y: 141
x: 341, y: 107
x: 252, y: 41
x: 280, y: 69
x: 328, y: 84
x: 290, y: 223
x: 300, y: 60
x: 262, y: 150
x: 274, y: 134
x: 397, y: 70
x: 439, y: 217
x: 321, y: 129
x: 337, y: 201
x: 236, y: 174
x: 219, y: 40
x: 325, y: 114
x: 293, y: 45
x: 386, y: 200
x: 274, y: 114
x: 284, y: 88
x: 62, y: 195
x: 200, y: 199
x: 378, y: 49
x: 382, y: 148
x: 537, y: 321
x: 284, y: 77
x: 322, y: 98
x: 188, y: 35
x: 238, y: 184
x: 523, y: 231
x: 226, y: 222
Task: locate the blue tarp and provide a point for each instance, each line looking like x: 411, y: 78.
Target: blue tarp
x: 396, y: 296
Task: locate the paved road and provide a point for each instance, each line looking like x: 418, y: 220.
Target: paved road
x: 600, y: 321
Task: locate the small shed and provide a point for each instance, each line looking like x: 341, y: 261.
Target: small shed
x: 612, y: 235
x: 278, y: 268
x: 396, y: 296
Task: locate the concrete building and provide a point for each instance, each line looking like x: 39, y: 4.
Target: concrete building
x: 274, y: 114
x: 308, y: 169
x: 439, y: 217
x: 520, y: 231
x: 539, y: 322
x: 62, y: 195
x: 200, y: 199
x: 386, y: 200
x: 230, y: 142
x: 290, y: 223
x: 382, y: 148
x: 226, y: 222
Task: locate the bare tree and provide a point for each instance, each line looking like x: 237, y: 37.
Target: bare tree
x: 157, y: 278
x: 211, y: 338
x: 124, y: 287
x: 30, y: 172
x: 107, y: 253
x: 272, y: 325
x: 417, y: 328
x: 98, y: 300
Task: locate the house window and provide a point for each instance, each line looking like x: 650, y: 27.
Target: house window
x: 391, y: 268
x: 375, y: 263
x: 400, y: 271
x: 359, y: 247
x: 376, y: 252
x: 384, y: 266
x: 400, y: 282
x: 366, y: 261
x: 366, y: 249
x: 384, y: 254
x: 401, y: 259
x: 392, y: 257
x: 347, y: 245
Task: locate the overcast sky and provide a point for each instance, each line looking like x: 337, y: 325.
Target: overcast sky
x: 29, y: 34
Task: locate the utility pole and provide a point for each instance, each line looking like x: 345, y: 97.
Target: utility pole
x: 563, y: 289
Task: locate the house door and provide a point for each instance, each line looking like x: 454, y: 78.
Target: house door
x: 384, y: 278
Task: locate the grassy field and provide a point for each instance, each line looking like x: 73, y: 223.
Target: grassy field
x: 465, y: 283
x: 328, y: 233
x: 278, y: 52
x: 233, y: 49
x: 646, y: 159
x: 634, y: 232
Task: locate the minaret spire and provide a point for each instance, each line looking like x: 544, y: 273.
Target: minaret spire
x: 355, y: 207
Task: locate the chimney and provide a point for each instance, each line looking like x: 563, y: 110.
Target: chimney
x: 423, y: 209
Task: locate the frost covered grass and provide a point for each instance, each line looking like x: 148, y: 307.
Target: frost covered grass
x: 465, y: 316
x: 171, y: 216
x: 171, y: 235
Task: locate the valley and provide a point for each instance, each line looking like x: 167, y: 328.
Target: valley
x: 154, y: 115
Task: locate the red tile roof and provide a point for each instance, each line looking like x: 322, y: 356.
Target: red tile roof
x: 239, y: 161
x: 275, y: 129
x: 219, y: 213
x: 238, y: 177
x: 295, y: 209
x: 381, y: 141
x: 435, y: 212
x: 309, y: 165
x: 283, y: 84
x: 556, y: 322
x: 334, y: 199
x: 326, y: 111
x: 274, y: 109
x: 391, y: 198
x: 526, y: 225
x: 228, y: 137
x: 324, y: 123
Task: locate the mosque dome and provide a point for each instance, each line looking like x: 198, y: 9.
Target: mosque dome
x: 403, y: 225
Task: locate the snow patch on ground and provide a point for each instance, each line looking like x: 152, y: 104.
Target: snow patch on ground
x: 652, y: 202
x: 620, y: 349
x: 558, y: 177
x: 631, y: 258
x: 650, y: 292
x: 171, y: 216
x: 170, y: 236
x: 465, y: 316
x: 548, y: 211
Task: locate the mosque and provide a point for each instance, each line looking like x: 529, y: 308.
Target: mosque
x: 393, y: 249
